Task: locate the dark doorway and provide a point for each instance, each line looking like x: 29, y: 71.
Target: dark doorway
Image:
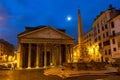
x: 33, y: 55
x: 48, y: 58
x: 24, y: 55
x: 42, y: 59
x: 63, y: 53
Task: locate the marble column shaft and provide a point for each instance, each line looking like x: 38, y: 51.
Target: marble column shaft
x: 29, y: 55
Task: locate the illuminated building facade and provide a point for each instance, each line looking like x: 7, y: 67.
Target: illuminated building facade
x: 6, y: 51
x: 102, y: 42
x: 92, y: 50
x: 42, y: 47
x: 106, y: 34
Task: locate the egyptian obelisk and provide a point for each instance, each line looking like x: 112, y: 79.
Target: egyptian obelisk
x: 80, y: 36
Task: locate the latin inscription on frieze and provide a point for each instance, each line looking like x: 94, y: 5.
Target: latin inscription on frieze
x: 47, y: 41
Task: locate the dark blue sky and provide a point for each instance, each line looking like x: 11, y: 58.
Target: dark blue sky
x: 16, y: 14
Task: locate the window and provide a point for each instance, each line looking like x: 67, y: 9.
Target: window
x: 99, y: 37
x: 105, y: 43
x: 113, y: 33
x: 109, y: 52
x: 114, y: 49
x: 95, y: 33
x: 106, y: 26
x: 112, y: 24
x: 94, y: 28
x: 107, y: 34
x: 95, y: 39
x: 102, y: 28
x: 101, y: 22
x: 113, y: 41
x: 103, y: 35
x: 98, y: 31
x: 118, y: 44
x: 98, y: 25
x: 100, y: 45
x: 105, y: 52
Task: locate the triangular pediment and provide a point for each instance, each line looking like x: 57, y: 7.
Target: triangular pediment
x: 46, y: 32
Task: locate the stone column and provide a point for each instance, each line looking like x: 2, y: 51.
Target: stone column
x: 37, y: 57
x: 51, y: 63
x: 66, y: 52
x: 45, y: 55
x: 69, y: 54
x: 29, y: 55
x: 60, y: 55
x: 53, y: 55
x: 19, y: 56
x: 71, y: 51
x: 57, y: 55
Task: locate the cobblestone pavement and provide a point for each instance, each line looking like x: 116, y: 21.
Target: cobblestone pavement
x: 25, y: 75
x: 38, y: 75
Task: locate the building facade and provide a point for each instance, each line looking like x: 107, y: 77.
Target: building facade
x: 91, y: 48
x: 106, y: 32
x: 6, y: 51
x: 42, y: 47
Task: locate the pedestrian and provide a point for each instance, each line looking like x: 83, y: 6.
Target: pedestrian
x: 12, y: 66
x: 62, y: 72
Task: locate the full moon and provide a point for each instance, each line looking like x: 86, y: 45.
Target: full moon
x: 69, y: 18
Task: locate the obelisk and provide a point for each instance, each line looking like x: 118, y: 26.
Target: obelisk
x: 80, y: 35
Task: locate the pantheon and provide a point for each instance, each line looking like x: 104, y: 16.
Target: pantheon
x: 43, y: 47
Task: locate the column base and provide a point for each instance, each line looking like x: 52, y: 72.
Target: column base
x: 37, y: 67
x: 45, y: 66
x: 28, y: 67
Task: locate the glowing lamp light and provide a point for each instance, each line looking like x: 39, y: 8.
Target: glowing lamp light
x: 75, y: 54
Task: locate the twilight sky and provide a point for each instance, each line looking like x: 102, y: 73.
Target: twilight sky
x: 16, y: 14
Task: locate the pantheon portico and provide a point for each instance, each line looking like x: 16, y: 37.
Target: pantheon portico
x: 43, y: 46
